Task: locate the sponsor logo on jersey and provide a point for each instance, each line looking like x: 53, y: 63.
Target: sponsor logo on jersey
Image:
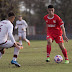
x: 19, y: 24
x: 54, y: 21
x: 51, y: 25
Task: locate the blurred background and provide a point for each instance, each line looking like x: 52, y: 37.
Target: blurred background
x: 33, y: 12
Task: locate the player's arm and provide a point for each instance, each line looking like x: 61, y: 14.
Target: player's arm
x: 61, y: 24
x: 64, y: 33
x: 25, y: 24
x: 10, y: 30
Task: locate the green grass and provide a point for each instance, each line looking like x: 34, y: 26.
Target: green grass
x: 32, y: 58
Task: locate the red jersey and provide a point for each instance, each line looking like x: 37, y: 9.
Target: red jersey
x: 54, y: 24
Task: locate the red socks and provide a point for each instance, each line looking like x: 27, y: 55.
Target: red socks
x: 64, y: 51
x: 48, y: 50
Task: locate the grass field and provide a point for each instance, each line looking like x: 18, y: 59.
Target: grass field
x: 32, y: 58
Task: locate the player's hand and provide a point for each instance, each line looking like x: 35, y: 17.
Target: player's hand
x: 18, y: 43
x: 66, y: 39
x: 17, y: 46
x: 21, y: 47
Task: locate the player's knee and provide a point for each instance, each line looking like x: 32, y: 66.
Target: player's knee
x: 49, y: 42
x: 24, y: 39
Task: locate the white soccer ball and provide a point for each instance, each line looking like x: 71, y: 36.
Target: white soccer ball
x: 58, y: 58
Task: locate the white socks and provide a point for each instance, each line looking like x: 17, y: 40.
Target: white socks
x: 27, y: 40
x: 20, y: 41
x: 14, y: 59
x: 16, y: 52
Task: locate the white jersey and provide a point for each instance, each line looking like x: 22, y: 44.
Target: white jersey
x: 21, y: 25
x: 6, y: 29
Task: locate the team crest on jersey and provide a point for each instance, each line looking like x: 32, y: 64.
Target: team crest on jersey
x: 54, y: 21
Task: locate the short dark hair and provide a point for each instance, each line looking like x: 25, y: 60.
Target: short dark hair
x: 50, y: 6
x: 11, y: 14
x: 20, y: 16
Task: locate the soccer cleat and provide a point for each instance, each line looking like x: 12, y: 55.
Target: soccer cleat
x: 48, y: 59
x: 66, y: 61
x: 28, y: 42
x: 15, y: 63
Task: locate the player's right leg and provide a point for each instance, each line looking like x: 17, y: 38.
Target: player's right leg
x: 9, y: 44
x: 49, y: 42
x: 20, y: 38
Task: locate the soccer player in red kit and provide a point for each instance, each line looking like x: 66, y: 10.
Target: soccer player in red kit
x: 55, y: 29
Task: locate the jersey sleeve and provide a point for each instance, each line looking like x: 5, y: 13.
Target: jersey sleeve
x: 10, y: 30
x: 25, y: 25
x: 59, y: 21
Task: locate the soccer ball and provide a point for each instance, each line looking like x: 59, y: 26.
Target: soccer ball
x: 58, y: 58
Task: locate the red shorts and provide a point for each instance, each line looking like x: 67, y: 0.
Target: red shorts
x: 57, y: 38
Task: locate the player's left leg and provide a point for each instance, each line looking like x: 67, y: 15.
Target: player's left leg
x: 64, y: 51
x: 24, y: 38
x: 16, y: 52
x: 59, y: 40
x: 9, y: 44
x: 20, y: 40
x: 14, y: 60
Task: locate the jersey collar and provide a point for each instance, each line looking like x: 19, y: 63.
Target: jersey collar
x: 50, y: 18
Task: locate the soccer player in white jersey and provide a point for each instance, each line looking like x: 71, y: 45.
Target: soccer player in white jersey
x: 22, y: 25
x: 6, y: 29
